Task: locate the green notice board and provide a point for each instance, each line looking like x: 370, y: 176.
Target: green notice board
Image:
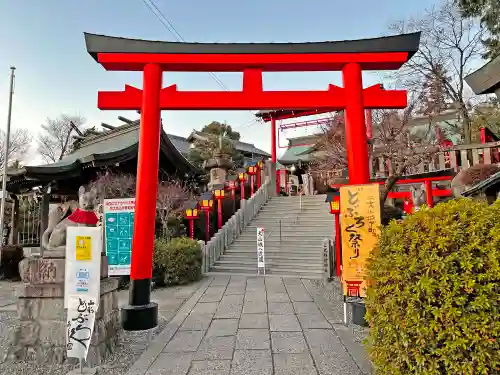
x: 119, y: 228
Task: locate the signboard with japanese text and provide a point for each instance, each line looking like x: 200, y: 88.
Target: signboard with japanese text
x: 360, y: 230
x: 119, y: 227
x: 261, y: 262
x: 83, y: 263
x: 80, y: 325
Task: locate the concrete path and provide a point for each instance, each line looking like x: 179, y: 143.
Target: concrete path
x: 248, y: 326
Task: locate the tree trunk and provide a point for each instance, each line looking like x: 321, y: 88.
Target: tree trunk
x: 388, y: 186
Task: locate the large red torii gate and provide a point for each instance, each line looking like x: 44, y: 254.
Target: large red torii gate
x: 252, y: 59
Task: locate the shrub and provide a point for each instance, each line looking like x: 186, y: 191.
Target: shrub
x: 433, y: 299
x: 176, y: 261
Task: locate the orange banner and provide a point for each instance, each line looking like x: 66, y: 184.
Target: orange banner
x: 360, y: 231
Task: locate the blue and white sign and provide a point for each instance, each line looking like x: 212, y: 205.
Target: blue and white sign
x: 82, y: 280
x: 119, y: 227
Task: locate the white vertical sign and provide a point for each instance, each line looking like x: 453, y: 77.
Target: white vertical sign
x: 80, y: 325
x: 83, y: 263
x: 261, y: 262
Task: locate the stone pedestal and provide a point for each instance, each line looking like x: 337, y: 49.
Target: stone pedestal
x: 271, y: 174
x: 41, y: 334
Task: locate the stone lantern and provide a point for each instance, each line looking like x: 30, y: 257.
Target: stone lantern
x: 218, y: 166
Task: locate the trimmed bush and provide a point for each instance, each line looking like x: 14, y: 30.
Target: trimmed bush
x: 434, y: 298
x: 176, y: 261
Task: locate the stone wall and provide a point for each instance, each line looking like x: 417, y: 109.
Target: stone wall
x: 41, y: 334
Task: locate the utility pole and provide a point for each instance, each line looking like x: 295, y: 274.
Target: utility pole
x: 5, y: 156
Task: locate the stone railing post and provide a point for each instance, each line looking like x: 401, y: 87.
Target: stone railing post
x: 204, y: 261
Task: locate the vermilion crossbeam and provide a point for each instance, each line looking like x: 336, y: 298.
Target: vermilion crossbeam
x: 172, y: 99
x: 239, y: 62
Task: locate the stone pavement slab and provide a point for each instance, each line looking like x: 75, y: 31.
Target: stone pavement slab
x: 210, y: 368
x: 252, y: 362
x: 254, y: 321
x: 252, y: 339
x: 223, y: 327
x: 247, y: 326
x: 288, y: 342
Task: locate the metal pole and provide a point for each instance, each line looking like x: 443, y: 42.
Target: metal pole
x: 6, y: 154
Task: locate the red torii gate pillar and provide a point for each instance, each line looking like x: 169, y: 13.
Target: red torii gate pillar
x: 141, y: 266
x: 355, y: 126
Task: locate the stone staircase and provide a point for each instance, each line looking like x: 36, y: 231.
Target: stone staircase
x: 295, y: 249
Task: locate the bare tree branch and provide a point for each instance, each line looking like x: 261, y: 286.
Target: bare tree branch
x: 401, y: 149
x: 54, y: 142
x: 19, y: 144
x: 449, y: 44
x: 170, y: 198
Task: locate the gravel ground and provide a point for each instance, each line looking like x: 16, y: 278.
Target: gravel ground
x: 131, y: 344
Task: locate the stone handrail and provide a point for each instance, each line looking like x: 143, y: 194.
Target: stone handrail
x: 233, y: 228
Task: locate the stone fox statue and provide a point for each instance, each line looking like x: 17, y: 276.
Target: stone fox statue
x: 54, y: 237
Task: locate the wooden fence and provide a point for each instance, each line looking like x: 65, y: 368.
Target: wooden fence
x: 456, y: 157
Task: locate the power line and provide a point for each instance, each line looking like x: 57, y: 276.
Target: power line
x: 170, y: 27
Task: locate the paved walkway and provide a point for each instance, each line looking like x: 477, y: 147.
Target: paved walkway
x: 249, y: 326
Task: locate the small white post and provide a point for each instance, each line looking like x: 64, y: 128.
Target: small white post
x: 345, y: 310
x: 261, y: 262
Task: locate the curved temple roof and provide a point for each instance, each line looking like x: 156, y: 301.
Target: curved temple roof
x: 104, y: 149
x: 406, y: 44
x: 486, y: 79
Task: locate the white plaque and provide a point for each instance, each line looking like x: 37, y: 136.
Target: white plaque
x: 83, y: 263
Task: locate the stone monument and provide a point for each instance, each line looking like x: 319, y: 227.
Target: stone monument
x: 41, y: 334
x: 217, y: 166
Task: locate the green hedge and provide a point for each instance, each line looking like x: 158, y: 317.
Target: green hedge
x: 434, y: 300
x: 176, y: 261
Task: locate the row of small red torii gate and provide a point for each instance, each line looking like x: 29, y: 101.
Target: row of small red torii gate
x: 252, y: 59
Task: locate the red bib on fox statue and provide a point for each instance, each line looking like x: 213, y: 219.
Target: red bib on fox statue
x: 84, y: 217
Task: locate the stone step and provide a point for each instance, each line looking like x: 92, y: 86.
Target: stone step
x: 271, y: 263
x: 288, y: 235
x: 295, y: 221
x: 322, y: 225
x: 297, y: 197
x: 296, y: 204
x: 235, y: 256
x: 285, y: 243
x: 269, y: 271
x: 281, y: 213
x: 274, y: 253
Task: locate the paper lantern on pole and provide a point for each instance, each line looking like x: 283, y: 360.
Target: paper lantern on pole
x: 191, y: 212
x: 242, y: 176
x: 219, y: 193
x: 206, y: 204
x: 260, y: 168
x: 333, y: 199
x: 252, y: 172
x: 232, y: 185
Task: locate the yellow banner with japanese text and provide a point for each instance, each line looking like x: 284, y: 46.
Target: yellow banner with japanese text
x: 360, y: 230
